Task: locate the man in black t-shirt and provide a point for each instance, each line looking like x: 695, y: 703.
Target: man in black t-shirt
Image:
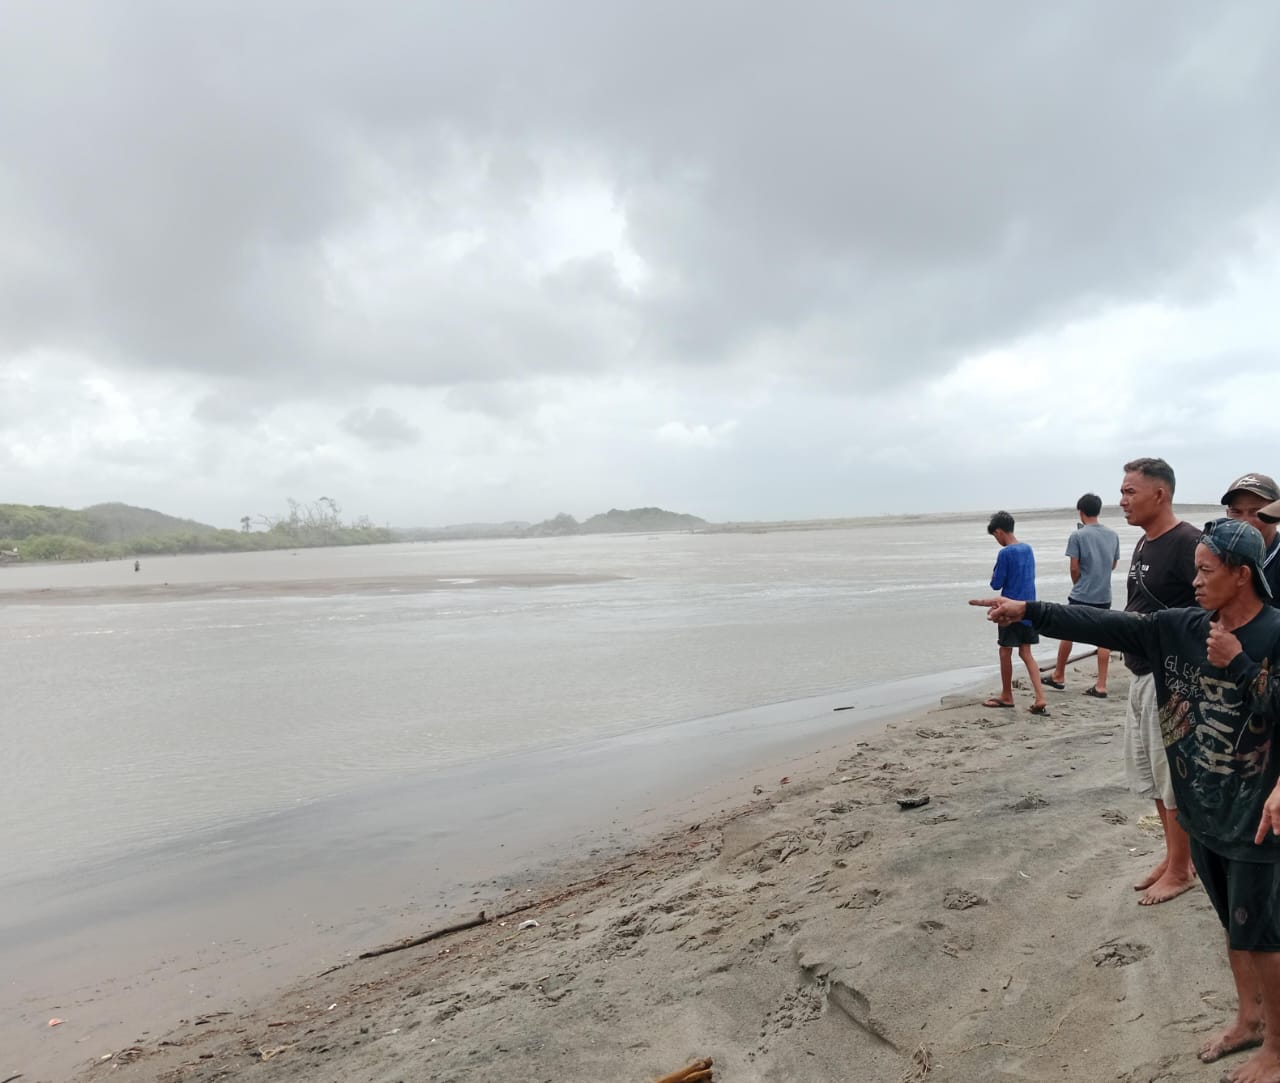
x: 1160, y: 577
x: 1219, y: 706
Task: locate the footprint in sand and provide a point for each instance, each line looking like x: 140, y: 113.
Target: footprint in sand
x: 796, y: 1009
x: 956, y: 898
x: 1120, y: 953
x: 863, y: 899
x: 849, y: 840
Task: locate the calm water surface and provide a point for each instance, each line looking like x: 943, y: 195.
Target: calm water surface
x: 132, y: 724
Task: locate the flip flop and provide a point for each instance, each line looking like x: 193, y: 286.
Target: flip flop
x: 1059, y: 685
x: 1094, y: 693
x: 993, y: 702
x: 1039, y: 710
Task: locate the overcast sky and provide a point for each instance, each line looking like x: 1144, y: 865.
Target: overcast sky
x: 455, y: 262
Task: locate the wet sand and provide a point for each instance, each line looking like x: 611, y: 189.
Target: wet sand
x: 791, y: 923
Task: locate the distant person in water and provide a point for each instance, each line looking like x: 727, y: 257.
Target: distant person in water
x: 1214, y: 669
x: 137, y: 565
x: 1014, y: 577
x: 1094, y: 552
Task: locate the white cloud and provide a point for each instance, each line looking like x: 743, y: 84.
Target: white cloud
x: 698, y: 435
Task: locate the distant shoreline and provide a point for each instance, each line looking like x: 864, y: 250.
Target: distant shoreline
x: 1020, y: 514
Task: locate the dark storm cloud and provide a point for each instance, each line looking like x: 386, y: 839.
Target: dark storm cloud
x: 319, y: 195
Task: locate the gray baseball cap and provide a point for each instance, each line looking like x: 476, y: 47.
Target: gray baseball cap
x: 1258, y: 484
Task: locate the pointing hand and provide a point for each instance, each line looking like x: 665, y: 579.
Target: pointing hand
x: 1002, y: 610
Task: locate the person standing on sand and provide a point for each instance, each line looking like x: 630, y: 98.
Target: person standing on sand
x: 1094, y: 550
x: 1161, y: 574
x: 1015, y: 577
x: 1219, y: 712
x: 1250, y: 498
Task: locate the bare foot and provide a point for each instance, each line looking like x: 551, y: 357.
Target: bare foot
x: 1152, y: 876
x: 1168, y: 887
x: 1241, y: 1034
x: 1262, y: 1067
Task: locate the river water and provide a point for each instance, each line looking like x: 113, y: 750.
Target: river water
x: 132, y: 724
x: 224, y: 773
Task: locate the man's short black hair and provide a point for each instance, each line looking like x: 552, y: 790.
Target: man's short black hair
x: 1157, y: 469
x: 1002, y: 520
x: 1089, y: 504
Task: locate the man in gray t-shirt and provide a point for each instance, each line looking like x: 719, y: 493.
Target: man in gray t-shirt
x: 1094, y: 550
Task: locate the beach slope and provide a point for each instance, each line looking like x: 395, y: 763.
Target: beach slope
x: 816, y: 931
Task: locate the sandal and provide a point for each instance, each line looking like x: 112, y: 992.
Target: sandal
x: 993, y: 702
x: 1094, y: 693
x: 1059, y: 685
x: 1042, y: 709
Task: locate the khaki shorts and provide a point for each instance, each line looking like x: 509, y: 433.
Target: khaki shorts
x: 1146, y: 765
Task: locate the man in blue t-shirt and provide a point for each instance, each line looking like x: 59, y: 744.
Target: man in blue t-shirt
x: 1094, y: 551
x: 1014, y: 577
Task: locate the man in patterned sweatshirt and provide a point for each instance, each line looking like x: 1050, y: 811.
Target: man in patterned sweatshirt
x: 1219, y: 707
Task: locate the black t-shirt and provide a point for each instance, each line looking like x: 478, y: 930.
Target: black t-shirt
x: 1166, y: 567
x: 1218, y: 725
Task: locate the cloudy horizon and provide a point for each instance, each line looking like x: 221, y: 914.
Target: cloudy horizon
x: 494, y: 262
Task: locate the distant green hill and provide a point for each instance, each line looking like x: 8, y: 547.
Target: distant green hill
x: 123, y: 522
x: 37, y: 532
x: 615, y: 521
x: 639, y: 520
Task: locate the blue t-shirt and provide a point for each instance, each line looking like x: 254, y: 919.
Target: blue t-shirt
x: 1015, y: 573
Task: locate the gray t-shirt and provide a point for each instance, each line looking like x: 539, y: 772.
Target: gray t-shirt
x: 1097, y: 547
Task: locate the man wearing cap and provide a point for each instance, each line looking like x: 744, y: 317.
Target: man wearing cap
x: 1219, y: 710
x: 1248, y: 498
x: 1161, y: 573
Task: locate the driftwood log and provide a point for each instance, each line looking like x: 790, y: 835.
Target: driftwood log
x: 435, y: 934
x: 1074, y: 658
x: 403, y: 945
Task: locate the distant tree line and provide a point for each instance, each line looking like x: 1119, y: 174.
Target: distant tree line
x: 106, y: 531
x: 613, y: 521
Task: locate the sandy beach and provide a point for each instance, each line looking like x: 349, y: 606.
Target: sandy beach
x: 810, y: 929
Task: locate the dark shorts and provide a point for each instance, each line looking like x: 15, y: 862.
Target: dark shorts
x: 1015, y: 635
x: 1091, y: 605
x: 1246, y: 895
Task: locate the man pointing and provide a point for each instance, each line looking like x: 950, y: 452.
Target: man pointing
x: 1219, y: 707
